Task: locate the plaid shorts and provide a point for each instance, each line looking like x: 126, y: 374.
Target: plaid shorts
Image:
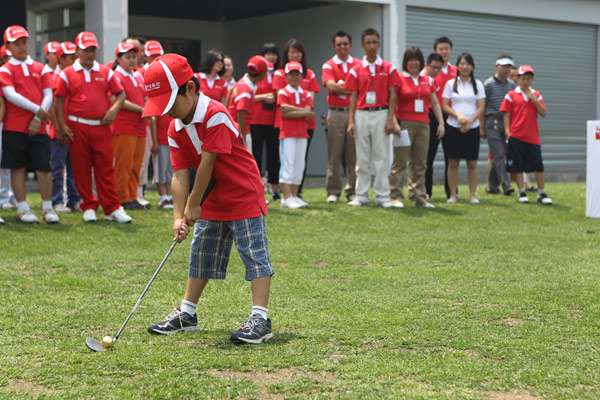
x: 211, y: 248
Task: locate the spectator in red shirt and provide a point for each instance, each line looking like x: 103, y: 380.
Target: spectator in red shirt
x: 521, y: 107
x: 212, y: 67
x: 25, y: 142
x: 228, y: 75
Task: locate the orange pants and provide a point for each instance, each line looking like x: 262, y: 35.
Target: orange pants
x: 129, y: 152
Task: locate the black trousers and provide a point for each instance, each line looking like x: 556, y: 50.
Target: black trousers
x: 433, y: 148
x: 266, y: 136
x: 311, y: 132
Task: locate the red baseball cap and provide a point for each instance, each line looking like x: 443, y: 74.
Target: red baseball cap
x: 525, y: 69
x: 4, y: 52
x: 65, y: 48
x: 124, y: 47
x: 162, y: 80
x: 14, y: 32
x: 271, y: 67
x: 85, y: 40
x: 153, y: 48
x: 293, y: 66
x: 51, y: 47
x: 257, y: 65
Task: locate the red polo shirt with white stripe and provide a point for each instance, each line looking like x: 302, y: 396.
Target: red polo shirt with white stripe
x: 88, y: 90
x: 53, y: 76
x: 377, y: 77
x: 216, y: 89
x: 162, y: 128
x: 408, y: 91
x: 523, y: 115
x: 336, y: 70
x: 260, y: 115
x: 239, y: 191
x: 294, y: 127
x: 446, y: 73
x: 309, y: 82
x: 242, y: 99
x: 130, y: 122
x: 29, y: 80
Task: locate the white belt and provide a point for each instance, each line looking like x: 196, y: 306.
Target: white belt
x: 93, y: 122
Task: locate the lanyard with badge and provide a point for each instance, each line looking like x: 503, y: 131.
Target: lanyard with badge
x: 371, y: 97
x: 419, y: 103
x: 341, y: 81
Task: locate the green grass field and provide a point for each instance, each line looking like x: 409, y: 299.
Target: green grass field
x: 495, y: 301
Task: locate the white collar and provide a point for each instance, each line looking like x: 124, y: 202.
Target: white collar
x: 78, y: 67
x: 131, y: 75
x: 407, y: 75
x: 57, y: 70
x: 290, y: 89
x: 199, y: 114
x: 27, y: 61
x: 249, y: 83
x: 460, y: 81
x: 337, y: 60
x: 518, y: 89
x: 378, y: 61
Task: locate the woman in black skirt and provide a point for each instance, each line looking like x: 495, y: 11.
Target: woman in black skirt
x: 464, y: 102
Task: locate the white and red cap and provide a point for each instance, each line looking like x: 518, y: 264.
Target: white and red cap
x: 162, y: 80
x: 14, y: 32
x: 51, y: 47
x: 525, y: 69
x: 65, y: 48
x: 257, y: 65
x: 4, y: 52
x: 293, y: 66
x: 505, y: 61
x: 124, y: 47
x: 85, y: 40
x: 153, y: 48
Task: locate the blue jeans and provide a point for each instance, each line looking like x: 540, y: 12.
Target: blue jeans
x: 59, y: 158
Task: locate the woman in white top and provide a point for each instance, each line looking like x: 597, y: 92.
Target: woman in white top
x: 467, y: 96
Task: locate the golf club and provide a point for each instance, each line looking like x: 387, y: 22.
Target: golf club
x: 107, y: 341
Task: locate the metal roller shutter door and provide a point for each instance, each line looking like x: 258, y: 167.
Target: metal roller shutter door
x: 562, y: 54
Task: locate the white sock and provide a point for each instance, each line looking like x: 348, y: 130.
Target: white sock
x: 542, y: 191
x: 140, y: 191
x: 188, y: 307
x: 163, y: 198
x: 22, y: 206
x: 260, y: 311
x: 47, y: 205
x: 170, y: 198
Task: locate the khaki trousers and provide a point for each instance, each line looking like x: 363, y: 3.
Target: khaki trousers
x: 416, y: 153
x: 339, y: 143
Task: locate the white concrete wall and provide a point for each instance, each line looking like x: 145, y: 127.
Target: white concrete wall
x: 314, y: 27
x: 108, y: 20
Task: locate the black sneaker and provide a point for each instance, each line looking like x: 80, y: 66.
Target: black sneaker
x: 276, y: 197
x: 255, y: 329
x: 509, y: 191
x: 544, y: 199
x: 523, y: 198
x: 132, y: 205
x: 175, y: 322
x: 532, y: 189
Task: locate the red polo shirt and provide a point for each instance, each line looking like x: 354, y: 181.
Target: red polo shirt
x: 446, y: 73
x: 87, y: 90
x: 264, y: 113
x: 309, y: 82
x: 377, y: 77
x: 294, y: 127
x: 242, y: 99
x: 336, y: 70
x: 216, y: 89
x: 409, y: 92
x: 239, y: 191
x: 130, y: 122
x: 29, y: 80
x: 162, y: 128
x: 523, y: 115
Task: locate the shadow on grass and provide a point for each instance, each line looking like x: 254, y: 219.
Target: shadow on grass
x: 66, y: 227
x: 419, y: 212
x: 222, y: 341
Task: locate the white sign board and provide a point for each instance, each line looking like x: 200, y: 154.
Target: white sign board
x: 592, y: 202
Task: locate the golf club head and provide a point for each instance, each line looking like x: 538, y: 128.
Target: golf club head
x: 94, y: 345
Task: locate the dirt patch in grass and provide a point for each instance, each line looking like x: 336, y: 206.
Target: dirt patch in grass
x: 321, y: 265
x: 264, y: 379
x: 507, y: 321
x: 521, y: 395
x: 24, y: 386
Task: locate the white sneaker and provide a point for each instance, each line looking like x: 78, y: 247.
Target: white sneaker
x: 452, y: 200
x: 332, y: 198
x: 89, y: 215
x: 428, y: 205
x: 7, y: 205
x: 290, y: 203
x: 474, y: 201
x: 61, y: 208
x: 50, y: 217
x: 76, y: 208
x: 1, y: 221
x: 28, y: 217
x: 397, y: 204
x: 165, y: 204
x: 142, y: 200
x: 384, y: 203
x: 119, y: 216
x: 301, y: 202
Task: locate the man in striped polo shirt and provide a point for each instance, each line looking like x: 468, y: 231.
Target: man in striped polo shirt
x: 496, y: 87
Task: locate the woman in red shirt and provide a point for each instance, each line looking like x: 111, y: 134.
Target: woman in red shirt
x: 415, y: 95
x: 129, y: 129
x: 294, y: 51
x: 212, y: 68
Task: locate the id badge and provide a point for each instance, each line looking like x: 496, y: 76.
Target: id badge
x: 371, y: 98
x: 419, y: 105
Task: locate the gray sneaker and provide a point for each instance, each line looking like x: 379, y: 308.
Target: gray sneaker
x: 255, y: 329
x: 176, y: 321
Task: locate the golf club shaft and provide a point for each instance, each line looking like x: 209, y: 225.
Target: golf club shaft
x: 146, y: 289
